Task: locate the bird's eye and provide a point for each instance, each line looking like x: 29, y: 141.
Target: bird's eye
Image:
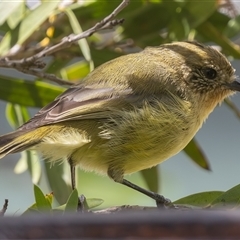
x: 209, y: 73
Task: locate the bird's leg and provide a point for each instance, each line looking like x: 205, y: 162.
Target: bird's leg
x: 81, y: 199
x: 73, y: 174
x: 161, y: 201
x: 117, y: 176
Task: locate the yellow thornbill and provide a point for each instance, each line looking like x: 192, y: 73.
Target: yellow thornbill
x: 130, y: 113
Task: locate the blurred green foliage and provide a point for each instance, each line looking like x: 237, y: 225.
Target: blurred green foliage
x: 44, y: 203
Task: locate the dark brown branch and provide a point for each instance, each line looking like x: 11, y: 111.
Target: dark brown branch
x: 4, y: 209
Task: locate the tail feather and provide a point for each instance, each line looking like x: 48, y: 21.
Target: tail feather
x: 15, y: 142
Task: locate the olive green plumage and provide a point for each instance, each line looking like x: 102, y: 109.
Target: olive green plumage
x: 131, y: 113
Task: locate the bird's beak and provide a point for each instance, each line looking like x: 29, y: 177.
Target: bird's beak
x: 235, y: 86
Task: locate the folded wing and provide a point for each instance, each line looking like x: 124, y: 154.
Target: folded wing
x: 82, y: 102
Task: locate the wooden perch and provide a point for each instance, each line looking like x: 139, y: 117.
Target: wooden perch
x: 167, y: 224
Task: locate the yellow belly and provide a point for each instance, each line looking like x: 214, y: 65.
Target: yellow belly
x: 142, y: 139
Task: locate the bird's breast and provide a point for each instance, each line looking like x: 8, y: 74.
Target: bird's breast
x: 146, y: 136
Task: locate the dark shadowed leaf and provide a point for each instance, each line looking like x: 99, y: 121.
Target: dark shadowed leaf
x: 16, y: 115
x: 32, y: 210
x: 55, y: 174
x: 92, y: 203
x: 72, y: 202
x: 194, y: 151
x: 151, y: 177
x: 101, y: 56
x: 202, y: 199
x: 28, y: 93
x: 197, y: 12
x: 229, y: 198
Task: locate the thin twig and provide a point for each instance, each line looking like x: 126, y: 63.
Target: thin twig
x: 4, y: 209
x: 48, y: 76
x: 233, y: 107
x: 72, y: 38
x: 32, y: 64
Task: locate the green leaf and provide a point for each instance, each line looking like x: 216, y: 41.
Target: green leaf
x: 7, y: 8
x: 16, y: 115
x: 72, y: 202
x: 229, y: 198
x: 178, y: 28
x: 147, y: 28
x: 33, y: 210
x: 60, y: 208
x: 42, y: 203
x: 92, y: 203
x: 96, y: 9
x: 88, y: 204
x: 17, y: 16
x: 56, y: 65
x: 27, y: 26
x: 11, y: 115
x: 34, y: 166
x: 75, y: 71
x: 21, y: 166
x: 199, y: 12
x: 151, y: 177
x: 29, y: 161
x: 196, y: 154
x: 202, y: 199
x: 28, y: 93
x: 55, y: 175
x: 83, y: 44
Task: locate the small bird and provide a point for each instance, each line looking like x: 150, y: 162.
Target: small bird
x: 130, y: 113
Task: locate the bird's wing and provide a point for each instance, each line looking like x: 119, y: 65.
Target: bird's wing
x: 82, y: 102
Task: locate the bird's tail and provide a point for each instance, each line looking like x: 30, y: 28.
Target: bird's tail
x: 16, y: 141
